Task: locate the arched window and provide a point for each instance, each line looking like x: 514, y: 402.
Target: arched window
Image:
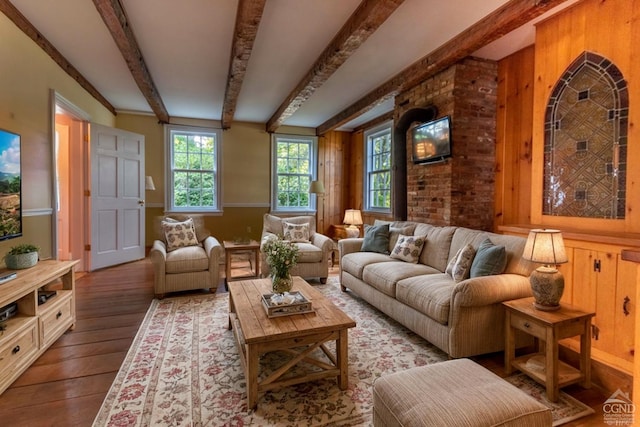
x: 585, y: 147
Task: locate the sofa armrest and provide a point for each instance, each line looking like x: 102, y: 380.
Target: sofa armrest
x: 323, y: 242
x: 487, y: 290
x: 349, y: 245
x: 213, y: 248
x: 158, y: 252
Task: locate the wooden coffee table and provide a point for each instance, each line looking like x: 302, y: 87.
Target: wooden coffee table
x: 298, y: 335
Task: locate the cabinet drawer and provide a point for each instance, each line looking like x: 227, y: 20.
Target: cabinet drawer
x: 18, y: 353
x: 55, y: 319
x: 529, y: 326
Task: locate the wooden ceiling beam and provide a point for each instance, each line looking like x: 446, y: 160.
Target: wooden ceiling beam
x: 26, y: 27
x: 115, y: 18
x: 507, y: 18
x: 247, y: 22
x: 366, y: 19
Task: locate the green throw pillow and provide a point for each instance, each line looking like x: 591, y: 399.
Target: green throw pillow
x: 376, y: 239
x: 490, y: 259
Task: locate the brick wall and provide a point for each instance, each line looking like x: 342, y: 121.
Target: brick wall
x: 459, y: 191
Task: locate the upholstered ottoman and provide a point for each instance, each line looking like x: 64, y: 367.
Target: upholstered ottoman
x: 453, y: 393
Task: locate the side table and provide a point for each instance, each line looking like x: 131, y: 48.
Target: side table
x: 544, y: 365
x: 231, y: 248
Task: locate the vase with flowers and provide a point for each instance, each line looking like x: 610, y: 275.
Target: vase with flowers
x: 281, y: 256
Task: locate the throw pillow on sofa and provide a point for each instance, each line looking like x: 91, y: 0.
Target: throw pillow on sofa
x: 376, y: 239
x: 408, y: 248
x: 490, y: 259
x: 459, y: 268
x: 296, y: 233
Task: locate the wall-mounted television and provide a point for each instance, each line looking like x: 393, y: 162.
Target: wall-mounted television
x: 10, y: 186
x: 431, y: 142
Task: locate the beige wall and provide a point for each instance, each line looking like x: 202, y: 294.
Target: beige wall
x: 28, y: 76
x: 246, y: 173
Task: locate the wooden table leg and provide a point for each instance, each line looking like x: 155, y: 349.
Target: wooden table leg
x: 342, y: 356
x: 232, y: 309
x: 551, y: 365
x: 253, y: 359
x: 585, y: 354
x: 509, y: 344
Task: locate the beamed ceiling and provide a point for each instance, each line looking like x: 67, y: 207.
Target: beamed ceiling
x: 325, y: 64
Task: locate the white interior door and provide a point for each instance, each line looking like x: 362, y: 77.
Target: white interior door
x: 116, y: 196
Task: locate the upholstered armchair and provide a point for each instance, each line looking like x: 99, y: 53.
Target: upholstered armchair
x: 184, y: 255
x: 315, y: 248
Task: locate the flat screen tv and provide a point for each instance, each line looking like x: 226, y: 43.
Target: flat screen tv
x: 10, y: 186
x: 431, y: 141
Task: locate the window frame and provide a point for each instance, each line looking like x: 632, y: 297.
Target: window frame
x: 169, y: 169
x: 369, y: 134
x: 313, y: 171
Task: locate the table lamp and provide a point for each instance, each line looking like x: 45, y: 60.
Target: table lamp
x: 547, y: 283
x: 353, y: 218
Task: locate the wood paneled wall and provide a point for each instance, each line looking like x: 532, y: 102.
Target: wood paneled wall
x: 333, y: 170
x: 514, y: 139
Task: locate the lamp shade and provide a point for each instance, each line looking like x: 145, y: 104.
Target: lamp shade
x: 316, y: 187
x: 352, y: 217
x: 148, y: 183
x: 545, y: 247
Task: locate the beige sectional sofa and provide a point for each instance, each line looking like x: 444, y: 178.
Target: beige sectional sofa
x: 462, y: 317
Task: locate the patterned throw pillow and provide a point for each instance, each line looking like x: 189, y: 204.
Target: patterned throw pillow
x: 295, y: 232
x: 408, y: 248
x: 460, y: 265
x: 179, y: 234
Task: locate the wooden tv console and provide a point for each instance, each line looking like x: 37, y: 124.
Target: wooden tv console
x: 35, y: 327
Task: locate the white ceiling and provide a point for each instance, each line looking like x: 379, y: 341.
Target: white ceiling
x: 187, y: 45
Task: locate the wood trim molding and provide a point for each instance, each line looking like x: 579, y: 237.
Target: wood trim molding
x: 247, y: 22
x: 366, y: 19
x: 115, y: 19
x: 507, y: 18
x: 26, y: 27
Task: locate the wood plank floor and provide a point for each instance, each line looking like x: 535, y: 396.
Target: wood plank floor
x: 67, y: 384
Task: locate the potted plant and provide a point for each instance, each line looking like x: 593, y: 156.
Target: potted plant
x: 21, y: 256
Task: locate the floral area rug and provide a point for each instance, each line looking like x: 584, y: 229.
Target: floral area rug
x: 564, y: 410
x: 183, y: 369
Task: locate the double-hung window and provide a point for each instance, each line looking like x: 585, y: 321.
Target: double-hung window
x: 377, y: 180
x: 193, y: 169
x: 294, y: 165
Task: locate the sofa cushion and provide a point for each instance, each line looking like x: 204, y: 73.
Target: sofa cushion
x: 384, y: 276
x: 354, y: 263
x: 376, y: 239
x: 396, y: 228
x: 308, y: 252
x: 436, y: 250
x: 295, y: 232
x: 179, y: 234
x: 460, y: 265
x: 187, y: 259
x: 408, y: 248
x: 490, y: 259
x: 429, y: 294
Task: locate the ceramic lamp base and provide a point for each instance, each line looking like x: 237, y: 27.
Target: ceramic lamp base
x: 547, y: 285
x: 352, y: 231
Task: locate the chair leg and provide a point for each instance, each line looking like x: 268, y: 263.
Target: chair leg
x: 323, y: 280
x: 160, y: 296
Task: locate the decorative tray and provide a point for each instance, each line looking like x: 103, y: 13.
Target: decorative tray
x: 277, y: 305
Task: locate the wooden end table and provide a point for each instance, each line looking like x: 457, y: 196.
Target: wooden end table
x: 549, y: 327
x: 297, y: 335
x: 231, y: 248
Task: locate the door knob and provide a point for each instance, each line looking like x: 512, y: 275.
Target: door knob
x: 141, y: 202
